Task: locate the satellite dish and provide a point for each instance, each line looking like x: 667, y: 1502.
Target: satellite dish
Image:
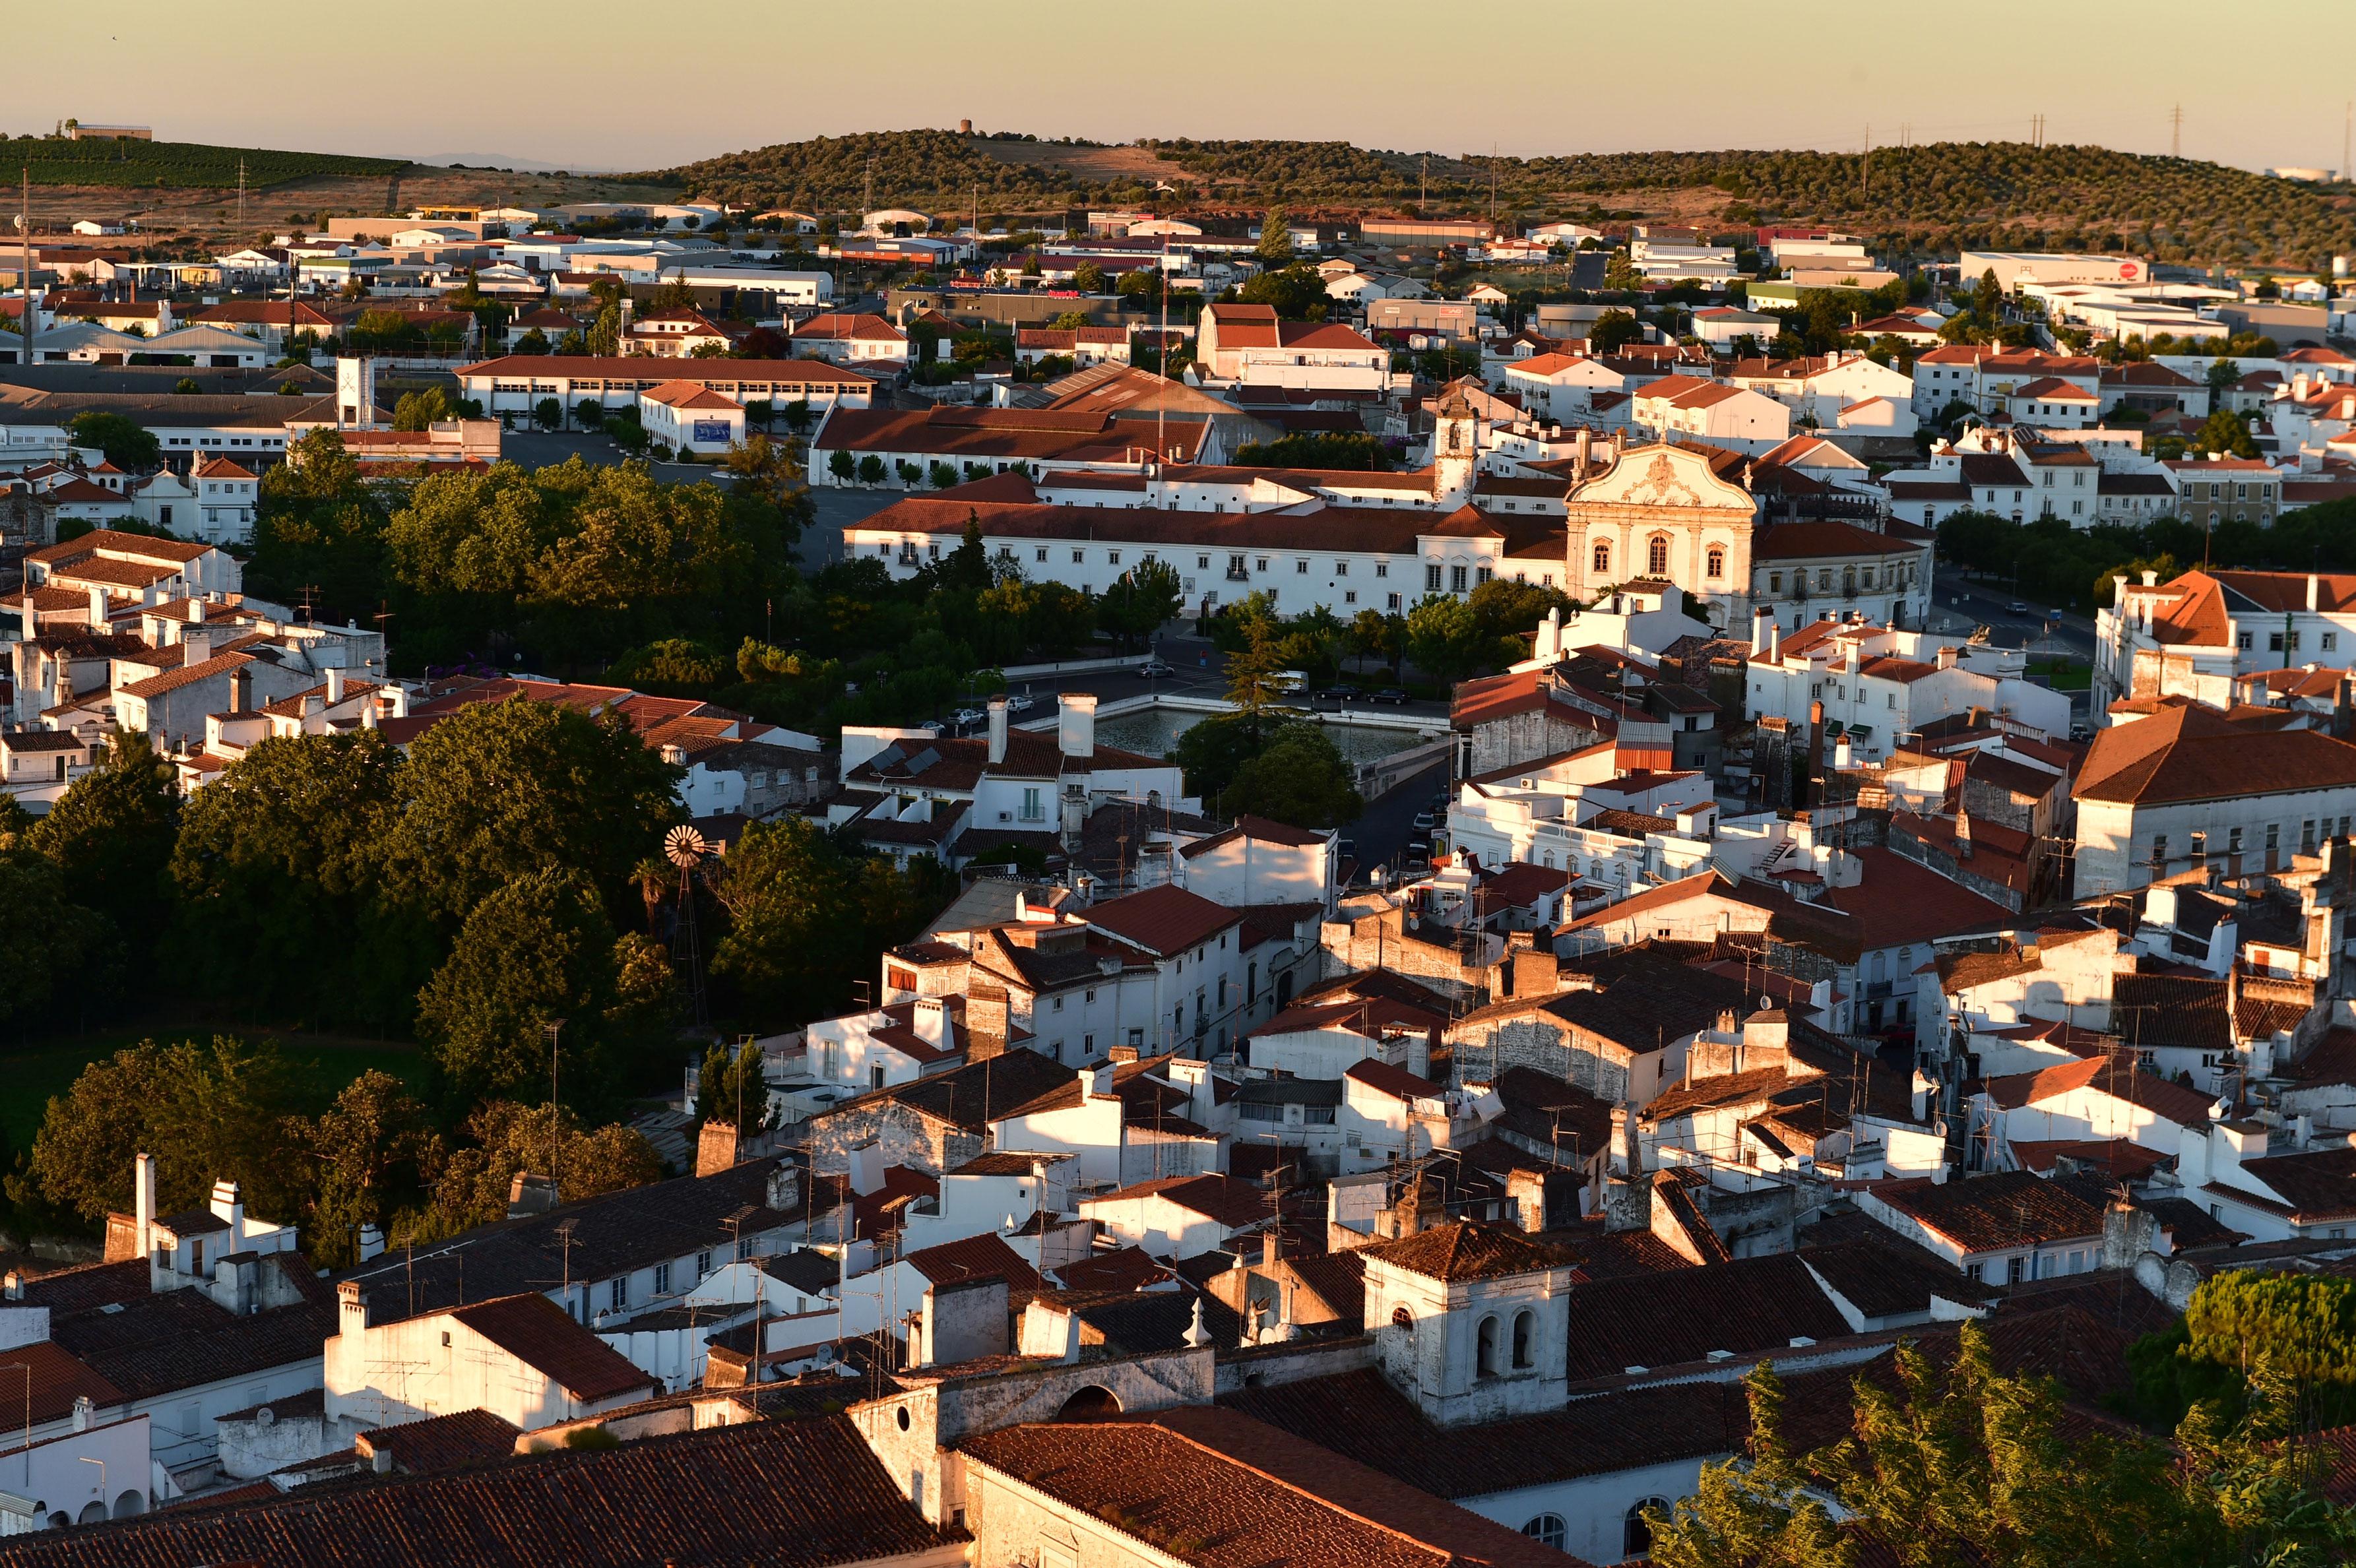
x: 683, y: 847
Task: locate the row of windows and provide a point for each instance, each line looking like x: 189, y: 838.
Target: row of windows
x: 2307, y: 839
x: 2286, y: 642
x: 1656, y: 558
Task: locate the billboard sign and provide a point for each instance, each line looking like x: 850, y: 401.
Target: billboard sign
x: 710, y: 430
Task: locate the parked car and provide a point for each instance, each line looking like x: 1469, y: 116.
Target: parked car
x: 1344, y: 849
x: 1019, y: 705
x: 929, y: 726
x: 965, y: 716
x: 1392, y: 695
x: 1289, y: 681
x: 1345, y: 693
x: 1425, y: 821
x: 1154, y: 669
x: 2016, y: 608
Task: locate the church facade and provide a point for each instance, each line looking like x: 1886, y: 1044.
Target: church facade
x: 1687, y: 517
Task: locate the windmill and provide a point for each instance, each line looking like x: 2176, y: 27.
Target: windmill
x: 684, y: 846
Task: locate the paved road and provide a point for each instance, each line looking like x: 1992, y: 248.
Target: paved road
x: 1380, y: 837
x: 1990, y: 606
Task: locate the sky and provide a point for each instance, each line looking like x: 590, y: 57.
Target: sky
x: 606, y: 85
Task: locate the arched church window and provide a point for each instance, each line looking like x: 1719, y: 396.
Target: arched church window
x: 1525, y: 1326
x: 1603, y: 558
x: 1717, y: 562
x: 1484, y: 1362
x: 1656, y: 557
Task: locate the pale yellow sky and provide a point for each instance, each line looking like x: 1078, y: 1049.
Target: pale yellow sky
x: 604, y: 84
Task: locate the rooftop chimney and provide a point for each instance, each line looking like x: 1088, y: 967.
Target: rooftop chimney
x: 335, y: 684
x: 998, y: 725
x: 142, y: 1200
x: 98, y: 609
x: 2314, y: 586
x: 1075, y: 723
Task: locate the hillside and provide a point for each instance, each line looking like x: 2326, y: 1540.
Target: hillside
x: 1933, y: 198
x: 176, y: 165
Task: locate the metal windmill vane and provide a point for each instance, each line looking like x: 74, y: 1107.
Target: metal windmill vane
x: 685, y: 847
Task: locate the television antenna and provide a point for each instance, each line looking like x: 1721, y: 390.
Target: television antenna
x: 685, y: 847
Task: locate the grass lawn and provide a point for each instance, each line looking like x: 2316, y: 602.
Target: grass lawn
x: 2066, y: 675
x: 323, y: 1065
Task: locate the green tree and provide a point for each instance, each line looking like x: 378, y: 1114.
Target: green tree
x: 1275, y: 246
x: 1297, y: 294
x: 586, y: 1162
x: 533, y: 341
x: 1508, y: 609
x: 206, y: 1112
x: 373, y: 1152
x: 498, y: 792
x: 941, y: 475
x: 1445, y: 639
x: 1757, y: 1515
x: 277, y: 861
x: 1613, y: 331
x: 842, y: 464
x: 111, y: 834
x: 1620, y: 273
x: 417, y: 411
x: 1300, y: 777
x: 51, y: 938
x: 118, y: 438
x: 730, y: 1088
x: 1321, y: 450
x: 1141, y: 601
x: 549, y: 413
x: 2223, y: 375
x: 1374, y: 636
x: 871, y: 470
x: 536, y: 954
x: 804, y: 920
x: 1088, y: 278
x: 2225, y: 435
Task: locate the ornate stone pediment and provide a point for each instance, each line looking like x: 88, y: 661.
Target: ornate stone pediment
x: 1663, y: 477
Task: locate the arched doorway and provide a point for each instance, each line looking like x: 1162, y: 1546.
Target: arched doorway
x: 1090, y: 1403
x: 93, y: 1512
x: 130, y: 1504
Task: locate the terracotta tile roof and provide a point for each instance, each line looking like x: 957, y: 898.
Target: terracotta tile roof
x: 1233, y: 1205
x: 183, y: 1339
x: 1464, y: 1250
x: 985, y: 1256
x: 1362, y: 1417
x: 1828, y: 540
x: 2114, y: 1077
x: 543, y: 1336
x: 641, y: 368
x: 87, y: 1287
x: 1744, y: 1308
x: 2123, y: 1159
x: 1395, y: 1082
x: 1886, y: 1276
x: 787, y: 1493
x: 1991, y: 1214
x: 440, y: 1443
x: 686, y: 395
x: 1214, y: 1489
x: 2318, y: 1185
x: 2191, y: 754
x: 1165, y: 920
x: 968, y: 1097
x: 1123, y: 1268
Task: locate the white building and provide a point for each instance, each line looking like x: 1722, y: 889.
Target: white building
x: 2166, y: 794
x: 689, y: 417
x: 518, y: 383
x: 1713, y: 411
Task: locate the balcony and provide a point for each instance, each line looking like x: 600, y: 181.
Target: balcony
x: 1237, y: 574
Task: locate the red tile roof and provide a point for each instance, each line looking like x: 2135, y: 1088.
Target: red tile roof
x: 2191, y: 752
x: 1993, y: 1213
x: 543, y: 1336
x: 1463, y: 1250
x: 984, y: 1256
x: 1165, y: 920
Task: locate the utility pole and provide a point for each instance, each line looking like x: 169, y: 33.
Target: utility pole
x: 1869, y: 160
x: 2176, y: 132
x: 30, y: 320
x: 1493, y: 187
x: 241, y: 195
x: 2347, y: 138
x: 1423, y: 192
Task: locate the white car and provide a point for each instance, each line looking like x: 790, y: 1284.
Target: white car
x: 965, y: 716
x: 1019, y: 705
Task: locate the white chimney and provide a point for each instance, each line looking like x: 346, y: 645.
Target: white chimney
x: 196, y: 611
x: 98, y: 609
x: 227, y: 1205
x: 371, y: 1241
x: 197, y: 645
x: 1775, y: 640
x: 143, y: 1200
x: 335, y: 683
x: 998, y: 723
x: 2313, y: 584
x: 1075, y: 723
